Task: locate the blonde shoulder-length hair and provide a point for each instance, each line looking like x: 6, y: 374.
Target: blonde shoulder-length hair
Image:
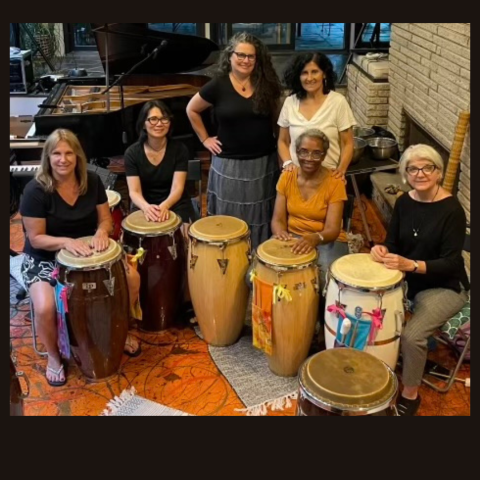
x: 44, y: 174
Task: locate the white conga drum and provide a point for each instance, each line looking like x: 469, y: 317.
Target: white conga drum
x: 294, y: 316
x: 372, y: 298
x: 218, y: 260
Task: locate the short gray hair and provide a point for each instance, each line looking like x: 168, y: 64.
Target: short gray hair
x: 313, y: 133
x: 423, y: 152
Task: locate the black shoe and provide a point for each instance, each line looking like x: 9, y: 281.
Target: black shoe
x: 406, y: 407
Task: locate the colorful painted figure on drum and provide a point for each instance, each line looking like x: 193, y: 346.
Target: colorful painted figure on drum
x: 425, y: 239
x: 309, y: 204
x: 63, y: 203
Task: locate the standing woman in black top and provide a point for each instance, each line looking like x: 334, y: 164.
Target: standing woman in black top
x: 63, y: 203
x: 425, y: 239
x: 245, y: 97
x: 156, y: 167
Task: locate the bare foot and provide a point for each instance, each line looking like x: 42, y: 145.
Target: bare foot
x: 132, y: 346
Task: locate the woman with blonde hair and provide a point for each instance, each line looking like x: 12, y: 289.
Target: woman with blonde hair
x: 63, y: 203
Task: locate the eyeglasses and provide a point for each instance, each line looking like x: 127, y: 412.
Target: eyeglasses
x: 305, y: 154
x: 427, y: 170
x: 155, y: 120
x: 244, y: 56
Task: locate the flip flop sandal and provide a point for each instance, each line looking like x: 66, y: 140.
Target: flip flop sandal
x: 134, y: 354
x: 59, y: 383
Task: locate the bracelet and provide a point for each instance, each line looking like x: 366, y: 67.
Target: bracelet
x: 205, y: 140
x: 320, y: 236
x: 286, y: 164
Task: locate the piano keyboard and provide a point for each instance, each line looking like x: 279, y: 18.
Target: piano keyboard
x: 23, y: 170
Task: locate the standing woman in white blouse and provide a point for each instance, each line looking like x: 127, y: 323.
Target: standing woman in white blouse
x: 313, y: 103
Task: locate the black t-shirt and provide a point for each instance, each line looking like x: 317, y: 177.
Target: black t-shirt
x: 62, y: 219
x: 243, y: 133
x: 440, y: 233
x: 157, y: 180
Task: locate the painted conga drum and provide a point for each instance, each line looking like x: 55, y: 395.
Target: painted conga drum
x: 114, y: 202
x: 218, y: 260
x: 346, y: 382
x: 372, y: 297
x: 161, y: 266
x: 98, y: 308
x: 294, y: 316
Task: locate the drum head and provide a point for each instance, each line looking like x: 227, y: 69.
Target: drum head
x: 67, y: 259
x: 279, y: 253
x: 218, y: 228
x: 137, y: 223
x: 113, y: 198
x: 359, y: 270
x: 347, y: 379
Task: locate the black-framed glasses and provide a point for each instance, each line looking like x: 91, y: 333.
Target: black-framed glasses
x: 304, y: 154
x: 243, y: 56
x: 155, y: 120
x: 427, y: 170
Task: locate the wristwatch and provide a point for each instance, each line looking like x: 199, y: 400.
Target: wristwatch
x: 320, y: 236
x: 415, y: 264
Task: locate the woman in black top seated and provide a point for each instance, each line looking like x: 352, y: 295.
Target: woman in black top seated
x: 156, y: 167
x: 63, y: 203
x: 425, y: 240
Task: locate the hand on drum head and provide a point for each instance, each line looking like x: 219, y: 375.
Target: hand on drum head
x: 78, y: 248
x: 164, y: 212
x: 100, y: 241
x: 396, y: 262
x: 306, y: 244
x: 285, y: 236
x: 378, y: 253
x: 152, y: 213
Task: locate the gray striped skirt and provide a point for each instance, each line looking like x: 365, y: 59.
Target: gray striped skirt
x: 245, y: 189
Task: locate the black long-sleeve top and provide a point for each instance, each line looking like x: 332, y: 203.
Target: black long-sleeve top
x: 432, y: 232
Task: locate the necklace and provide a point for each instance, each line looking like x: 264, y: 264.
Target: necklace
x: 242, y: 85
x: 154, y: 149
x: 416, y: 231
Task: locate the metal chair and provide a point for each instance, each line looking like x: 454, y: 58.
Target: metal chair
x: 348, y: 212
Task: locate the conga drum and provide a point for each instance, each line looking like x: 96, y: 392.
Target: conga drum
x: 114, y: 202
x: 346, y: 382
x: 218, y: 260
x: 16, y: 395
x: 98, y: 309
x: 293, y: 321
x: 161, y: 267
x: 372, y: 297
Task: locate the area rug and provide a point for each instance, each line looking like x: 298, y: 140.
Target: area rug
x: 246, y: 369
x: 129, y: 404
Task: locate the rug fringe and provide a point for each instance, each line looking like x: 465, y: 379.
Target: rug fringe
x: 117, y: 402
x: 278, y: 404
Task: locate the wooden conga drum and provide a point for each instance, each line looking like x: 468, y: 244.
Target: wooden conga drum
x: 114, y: 202
x: 16, y: 395
x: 98, y: 308
x: 293, y: 321
x: 218, y: 260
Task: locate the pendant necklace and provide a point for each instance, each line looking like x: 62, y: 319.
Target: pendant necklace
x: 416, y: 231
x: 242, y: 85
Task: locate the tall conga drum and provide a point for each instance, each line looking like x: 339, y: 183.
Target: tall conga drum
x: 161, y: 266
x: 218, y: 260
x: 98, y: 308
x: 371, y: 296
x: 294, y: 316
x: 114, y: 202
x: 346, y: 382
x: 16, y: 395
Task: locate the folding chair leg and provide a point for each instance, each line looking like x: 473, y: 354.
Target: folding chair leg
x: 34, y: 333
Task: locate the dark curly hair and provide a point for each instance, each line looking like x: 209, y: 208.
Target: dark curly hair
x: 142, y: 118
x: 264, y: 78
x: 293, y: 71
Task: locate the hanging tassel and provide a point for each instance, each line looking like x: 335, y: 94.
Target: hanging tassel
x: 138, y: 256
x: 281, y: 293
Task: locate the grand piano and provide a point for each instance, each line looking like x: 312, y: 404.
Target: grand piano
x: 105, y: 123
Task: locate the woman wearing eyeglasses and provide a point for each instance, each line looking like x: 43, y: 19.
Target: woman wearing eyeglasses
x: 245, y: 98
x: 313, y: 103
x: 425, y: 239
x: 309, y: 204
x: 156, y: 167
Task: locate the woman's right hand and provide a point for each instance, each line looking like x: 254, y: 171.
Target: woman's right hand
x: 152, y: 213
x: 78, y: 248
x: 213, y: 144
x: 378, y: 253
x: 283, y: 235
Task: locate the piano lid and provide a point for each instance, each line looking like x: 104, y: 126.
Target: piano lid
x: 129, y: 43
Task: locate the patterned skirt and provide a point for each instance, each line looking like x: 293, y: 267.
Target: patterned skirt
x: 245, y: 189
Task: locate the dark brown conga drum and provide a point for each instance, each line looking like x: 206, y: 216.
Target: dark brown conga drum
x: 161, y: 264
x: 346, y: 382
x: 98, y: 309
x: 16, y: 396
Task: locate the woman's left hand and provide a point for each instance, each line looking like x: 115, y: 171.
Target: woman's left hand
x: 306, y: 244
x: 396, y: 262
x: 339, y: 172
x: 100, y: 241
x: 164, y: 212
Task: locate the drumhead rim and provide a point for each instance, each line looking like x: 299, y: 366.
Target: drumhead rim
x: 90, y: 268
x: 368, y: 289
x: 283, y: 268
x: 118, y: 198
x: 174, y: 228
x: 217, y: 242
x: 202, y: 238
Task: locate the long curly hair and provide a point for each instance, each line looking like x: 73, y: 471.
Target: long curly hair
x: 264, y: 79
x: 294, y: 69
